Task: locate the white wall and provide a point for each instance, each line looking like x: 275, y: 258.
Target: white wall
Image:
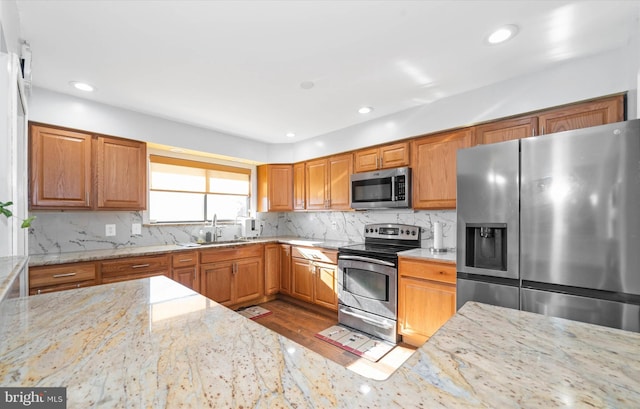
x: 9, y: 27
x: 604, y: 74
x: 69, y: 111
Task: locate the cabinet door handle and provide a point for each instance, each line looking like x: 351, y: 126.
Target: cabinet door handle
x: 533, y: 131
x: 380, y: 162
x: 64, y: 275
x: 184, y: 260
x: 542, y: 131
x: 141, y: 265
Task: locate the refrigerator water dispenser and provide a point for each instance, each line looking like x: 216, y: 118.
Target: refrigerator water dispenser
x: 487, y: 246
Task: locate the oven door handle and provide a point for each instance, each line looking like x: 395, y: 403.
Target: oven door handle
x: 378, y: 324
x: 366, y: 259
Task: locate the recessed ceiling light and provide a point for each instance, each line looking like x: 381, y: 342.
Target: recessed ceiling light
x: 502, y: 34
x: 307, y: 84
x: 290, y: 134
x: 365, y: 110
x: 82, y: 86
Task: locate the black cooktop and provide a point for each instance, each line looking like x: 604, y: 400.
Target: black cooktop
x: 385, y: 240
x: 375, y: 249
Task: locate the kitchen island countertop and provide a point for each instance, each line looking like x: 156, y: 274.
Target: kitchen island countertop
x: 154, y: 343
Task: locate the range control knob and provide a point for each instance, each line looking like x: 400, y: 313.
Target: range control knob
x: 413, y: 233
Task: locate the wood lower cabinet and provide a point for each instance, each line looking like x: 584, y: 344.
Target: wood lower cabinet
x: 271, y: 269
x: 275, y: 188
x: 285, y: 269
x: 426, y: 298
x: 232, y: 276
x: 132, y: 268
x: 47, y: 279
x: 60, y: 167
x: 184, y: 267
x: 314, y: 276
x: 434, y: 168
x: 79, y: 170
x: 383, y: 157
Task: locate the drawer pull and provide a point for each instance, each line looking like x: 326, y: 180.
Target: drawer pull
x: 64, y: 275
x: 141, y: 265
x: 184, y: 260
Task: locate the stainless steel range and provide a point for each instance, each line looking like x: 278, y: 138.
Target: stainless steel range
x: 368, y: 279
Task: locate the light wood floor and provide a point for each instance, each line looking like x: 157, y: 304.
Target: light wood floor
x: 300, y: 325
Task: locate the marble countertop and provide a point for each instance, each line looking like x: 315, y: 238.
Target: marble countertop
x: 446, y: 257
x: 10, y: 268
x: 154, y: 343
x: 92, y: 255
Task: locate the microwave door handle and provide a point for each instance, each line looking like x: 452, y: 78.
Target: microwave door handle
x: 393, y: 189
x: 367, y: 260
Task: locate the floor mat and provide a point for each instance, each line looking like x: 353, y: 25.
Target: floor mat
x: 356, y: 342
x: 254, y: 312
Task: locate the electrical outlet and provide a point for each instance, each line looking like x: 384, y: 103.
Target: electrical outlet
x: 136, y: 229
x: 109, y: 230
x: 334, y: 226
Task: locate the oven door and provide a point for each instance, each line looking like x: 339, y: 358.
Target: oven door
x: 368, y: 284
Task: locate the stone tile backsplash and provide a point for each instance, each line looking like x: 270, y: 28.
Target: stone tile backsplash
x: 68, y: 231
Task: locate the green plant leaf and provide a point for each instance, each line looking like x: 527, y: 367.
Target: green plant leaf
x: 26, y: 223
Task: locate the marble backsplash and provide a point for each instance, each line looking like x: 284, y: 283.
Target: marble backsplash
x: 69, y: 231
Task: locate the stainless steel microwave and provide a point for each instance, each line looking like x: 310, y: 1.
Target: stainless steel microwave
x: 381, y: 189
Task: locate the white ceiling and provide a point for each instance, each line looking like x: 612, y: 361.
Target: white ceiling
x: 237, y: 66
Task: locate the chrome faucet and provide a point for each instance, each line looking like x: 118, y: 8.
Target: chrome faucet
x: 214, y: 224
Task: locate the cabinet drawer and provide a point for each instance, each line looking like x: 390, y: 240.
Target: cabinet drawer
x: 315, y: 254
x: 233, y: 253
x: 134, y: 265
x: 184, y: 259
x: 445, y: 273
x: 61, y: 274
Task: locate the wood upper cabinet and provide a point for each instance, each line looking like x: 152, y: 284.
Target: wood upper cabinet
x: 383, y: 157
x: 317, y: 177
x: 426, y: 298
x: 275, y: 188
x: 60, y: 168
x: 507, y: 130
x: 582, y: 115
x: 434, y: 168
x: 575, y: 116
x: 327, y: 183
x: 77, y: 170
x: 340, y: 170
x: 299, y: 186
x: 121, y: 173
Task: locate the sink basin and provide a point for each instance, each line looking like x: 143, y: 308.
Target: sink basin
x: 213, y: 243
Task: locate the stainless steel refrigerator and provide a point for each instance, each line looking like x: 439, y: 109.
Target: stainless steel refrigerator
x: 551, y: 224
